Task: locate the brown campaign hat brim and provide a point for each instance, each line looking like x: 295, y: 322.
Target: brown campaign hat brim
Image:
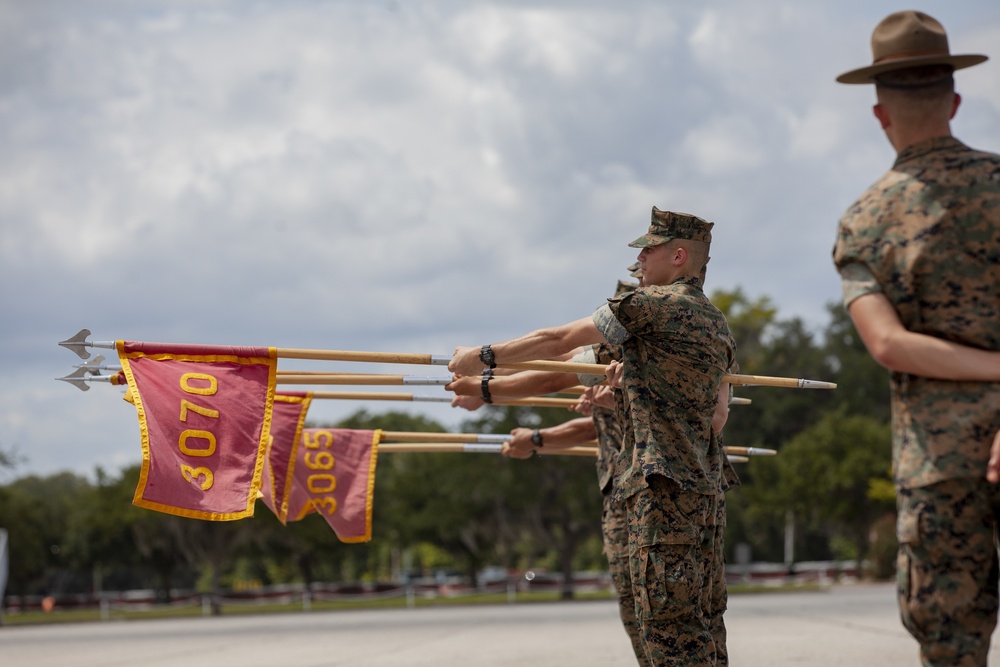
x: 868, y: 74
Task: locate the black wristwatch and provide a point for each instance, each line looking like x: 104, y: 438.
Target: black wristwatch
x: 484, y: 386
x: 487, y: 357
x: 536, y: 438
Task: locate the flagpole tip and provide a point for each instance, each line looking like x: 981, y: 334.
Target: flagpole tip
x: 77, y: 380
x: 78, y: 344
x: 816, y: 384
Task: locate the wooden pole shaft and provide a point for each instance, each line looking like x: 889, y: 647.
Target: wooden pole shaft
x: 536, y: 402
x: 423, y: 436
x: 356, y: 379
x: 352, y: 355
x: 468, y: 447
x: 750, y: 451
x: 79, y: 341
x: 369, y: 396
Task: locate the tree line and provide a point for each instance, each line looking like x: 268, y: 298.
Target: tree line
x: 461, y: 512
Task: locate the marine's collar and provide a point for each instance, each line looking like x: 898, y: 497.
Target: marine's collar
x: 925, y: 147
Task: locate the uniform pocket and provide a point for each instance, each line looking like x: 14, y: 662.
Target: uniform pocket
x: 668, y: 573
x: 907, y: 578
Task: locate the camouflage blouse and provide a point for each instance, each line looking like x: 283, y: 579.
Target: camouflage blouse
x: 676, y: 350
x: 927, y: 235
x: 609, y: 430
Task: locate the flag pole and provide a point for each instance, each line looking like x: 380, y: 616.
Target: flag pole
x: 320, y: 378
x: 492, y: 448
x: 413, y: 437
x: 750, y: 451
x: 96, y: 365
x: 79, y: 342
x: 80, y: 377
x: 360, y: 379
x: 423, y: 436
x: 469, y: 448
x: 537, y: 402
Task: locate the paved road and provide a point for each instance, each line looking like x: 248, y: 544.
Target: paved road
x: 848, y: 625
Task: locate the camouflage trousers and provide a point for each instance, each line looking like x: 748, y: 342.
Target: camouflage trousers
x: 614, y: 526
x: 678, y: 577
x: 946, y: 569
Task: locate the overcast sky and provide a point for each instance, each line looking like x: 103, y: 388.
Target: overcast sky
x: 408, y: 176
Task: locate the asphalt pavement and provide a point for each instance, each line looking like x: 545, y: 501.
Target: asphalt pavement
x: 847, y: 625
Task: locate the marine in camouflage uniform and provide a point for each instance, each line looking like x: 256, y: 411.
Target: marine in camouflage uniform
x: 676, y: 346
x: 927, y: 236
x: 717, y: 593
x: 614, y: 524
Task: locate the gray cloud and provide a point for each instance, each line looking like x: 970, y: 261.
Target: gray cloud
x: 407, y: 176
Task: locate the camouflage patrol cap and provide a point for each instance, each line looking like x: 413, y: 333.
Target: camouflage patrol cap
x: 667, y: 225
x: 623, y: 287
x: 635, y: 270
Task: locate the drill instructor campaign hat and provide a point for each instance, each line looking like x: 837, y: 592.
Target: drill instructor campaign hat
x: 666, y: 226
x: 908, y: 39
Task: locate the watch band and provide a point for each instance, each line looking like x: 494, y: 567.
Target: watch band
x: 536, y: 438
x: 487, y: 356
x: 484, y: 386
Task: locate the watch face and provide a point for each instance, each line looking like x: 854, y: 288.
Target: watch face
x: 486, y: 355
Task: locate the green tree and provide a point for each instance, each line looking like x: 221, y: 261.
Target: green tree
x: 28, y: 547
x: 553, y: 500
x: 36, y: 512
x: 99, y: 537
x: 210, y: 546
x: 771, y: 420
x: 403, y: 484
x: 750, y: 323
x: 10, y: 459
x: 824, y: 475
x: 862, y: 385
x: 123, y: 546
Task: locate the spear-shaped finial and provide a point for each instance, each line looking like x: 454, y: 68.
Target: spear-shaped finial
x: 78, y: 344
x: 77, y: 378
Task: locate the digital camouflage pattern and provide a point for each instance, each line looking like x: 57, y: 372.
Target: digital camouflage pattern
x: 609, y: 431
x: 717, y: 590
x: 614, y: 523
x: 674, y: 544
x: 947, y: 569
x: 665, y: 226
x: 614, y: 527
x: 730, y: 480
x: 615, y: 530
x: 679, y: 347
x: 927, y: 235
x: 609, y: 443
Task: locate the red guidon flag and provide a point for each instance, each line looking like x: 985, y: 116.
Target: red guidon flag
x: 334, y: 475
x: 205, y: 417
x: 287, y: 421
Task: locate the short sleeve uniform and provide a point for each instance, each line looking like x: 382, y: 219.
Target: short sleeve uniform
x: 927, y: 235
